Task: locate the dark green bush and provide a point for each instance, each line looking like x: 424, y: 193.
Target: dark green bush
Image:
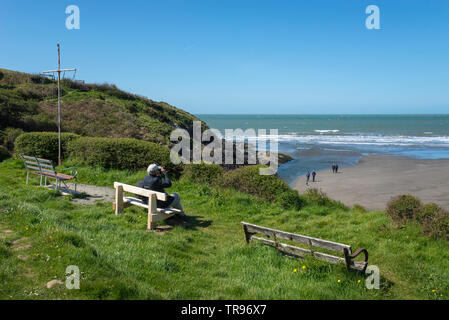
x: 290, y: 199
x: 122, y: 154
x: 359, y: 208
x: 10, y: 135
x: 4, y: 154
x: 269, y: 187
x: 205, y: 173
x: 403, y: 208
x: 318, y: 197
x: 433, y: 220
x: 43, y: 144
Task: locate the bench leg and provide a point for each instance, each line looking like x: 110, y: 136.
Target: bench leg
x: 27, y: 176
x: 152, y: 208
x: 118, y: 200
x: 40, y: 184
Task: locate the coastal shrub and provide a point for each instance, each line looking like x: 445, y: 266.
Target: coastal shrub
x: 318, y: 197
x: 269, y: 187
x: 433, y: 220
x: 4, y: 154
x: 403, y: 208
x: 9, y: 136
x: 121, y: 154
x: 359, y: 208
x: 290, y: 199
x: 43, y: 144
x: 205, y: 173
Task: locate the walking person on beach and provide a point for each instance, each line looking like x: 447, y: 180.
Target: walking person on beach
x: 307, y: 177
x: 333, y: 167
x: 336, y: 168
x: 313, y: 175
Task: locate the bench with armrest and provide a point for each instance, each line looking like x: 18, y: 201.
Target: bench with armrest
x: 250, y: 231
x: 45, y: 169
x: 155, y: 214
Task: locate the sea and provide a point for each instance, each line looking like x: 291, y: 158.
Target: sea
x: 317, y: 141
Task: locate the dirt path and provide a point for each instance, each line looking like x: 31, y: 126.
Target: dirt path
x: 93, y: 193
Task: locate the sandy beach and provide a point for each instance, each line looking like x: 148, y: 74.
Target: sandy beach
x: 376, y: 179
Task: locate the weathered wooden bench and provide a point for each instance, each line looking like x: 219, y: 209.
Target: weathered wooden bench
x: 45, y: 169
x: 347, y: 258
x: 155, y: 214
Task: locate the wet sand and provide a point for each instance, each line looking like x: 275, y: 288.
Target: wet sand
x: 376, y: 179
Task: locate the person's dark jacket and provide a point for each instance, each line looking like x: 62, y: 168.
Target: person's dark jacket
x: 156, y: 183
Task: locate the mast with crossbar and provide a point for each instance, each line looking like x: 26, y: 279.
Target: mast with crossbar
x: 59, y: 70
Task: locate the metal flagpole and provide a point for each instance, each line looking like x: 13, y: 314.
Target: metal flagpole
x: 59, y: 100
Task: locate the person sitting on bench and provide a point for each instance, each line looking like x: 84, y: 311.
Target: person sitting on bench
x: 153, y: 181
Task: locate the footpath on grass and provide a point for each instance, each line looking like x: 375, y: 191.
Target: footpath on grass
x: 89, y: 193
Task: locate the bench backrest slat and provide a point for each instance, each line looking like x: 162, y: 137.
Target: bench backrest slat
x: 42, y: 165
x: 32, y: 167
x: 30, y: 163
x: 46, y: 166
x: 315, y: 242
x: 49, y: 162
x: 29, y: 158
x: 140, y: 191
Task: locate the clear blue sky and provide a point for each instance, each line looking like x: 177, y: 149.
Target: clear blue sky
x: 245, y: 56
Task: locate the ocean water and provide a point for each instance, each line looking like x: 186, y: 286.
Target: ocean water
x: 317, y: 141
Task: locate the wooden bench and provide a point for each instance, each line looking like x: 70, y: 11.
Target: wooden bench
x: 45, y: 169
x: 347, y: 258
x: 155, y: 214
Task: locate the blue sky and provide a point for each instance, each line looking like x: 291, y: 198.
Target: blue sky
x: 245, y: 56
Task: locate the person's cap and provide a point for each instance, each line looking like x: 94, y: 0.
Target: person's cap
x: 153, y: 167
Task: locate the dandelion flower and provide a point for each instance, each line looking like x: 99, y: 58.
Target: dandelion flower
x: 303, y: 267
x: 294, y: 270
x: 338, y: 280
x: 358, y: 281
x: 433, y: 290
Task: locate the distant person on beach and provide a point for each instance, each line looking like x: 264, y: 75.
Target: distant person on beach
x: 336, y: 168
x: 153, y: 181
x: 307, y: 177
x: 313, y: 175
x: 333, y: 167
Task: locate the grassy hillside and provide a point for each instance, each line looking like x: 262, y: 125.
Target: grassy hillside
x: 42, y: 233
x: 29, y: 102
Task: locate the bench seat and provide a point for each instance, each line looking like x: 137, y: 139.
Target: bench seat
x: 60, y: 176
x: 140, y: 203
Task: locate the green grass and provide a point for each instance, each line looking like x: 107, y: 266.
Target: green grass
x: 209, y: 259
